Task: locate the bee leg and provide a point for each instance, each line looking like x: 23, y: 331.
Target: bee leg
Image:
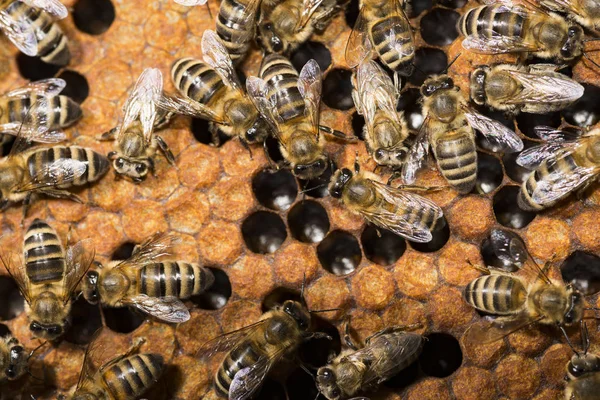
x: 316, y: 335
x: 484, y: 270
x: 396, y: 174
x: 151, y: 166
x: 214, y: 134
x: 62, y: 194
x: 348, y: 337
x: 581, y: 192
x: 164, y: 147
x: 272, y: 164
x: 245, y: 145
x: 26, y: 204
x: 110, y: 135
x: 337, y: 134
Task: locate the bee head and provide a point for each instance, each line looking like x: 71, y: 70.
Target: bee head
x: 478, y: 85
x: 48, y: 316
x: 258, y: 132
x: 338, y: 181
x: 391, y: 157
x: 433, y: 84
x: 90, y: 287
x: 582, y: 364
x: 327, y: 385
x: 45, y: 331
x: 573, y: 45
x: 575, y: 307
x: 17, y: 363
x: 298, y: 312
x: 137, y: 170
x: 269, y: 37
x: 311, y: 170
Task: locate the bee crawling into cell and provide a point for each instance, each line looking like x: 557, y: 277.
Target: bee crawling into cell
x: 151, y: 286
x: 583, y: 371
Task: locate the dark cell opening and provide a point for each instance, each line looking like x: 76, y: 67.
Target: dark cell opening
x: 278, y: 296
x: 301, y: 386
x: 123, y: 319
x: 93, y: 17
x: 429, y: 61
x: 201, y: 132
x: 382, y: 246
x: 276, y: 190
x: 339, y: 253
x: 34, y: 69
x: 271, y: 390
x: 491, y: 259
x: 489, y: 173
x: 418, y: 6
x: 454, y: 4
x: 441, y: 355
x: 438, y: 26
x: 217, y: 295
x: 351, y: 13
x: 11, y: 301
x: 311, y: 50
x: 586, y: 111
x: 4, y: 331
x: 317, y: 187
x: 123, y: 252
x: 77, y: 86
x: 527, y: 122
x: 6, y: 142
x: 273, y: 150
x: 85, y: 321
x: 507, y: 210
x: 514, y: 170
x: 404, y: 378
x: 583, y: 271
x: 241, y: 76
x: 409, y: 103
x: 337, y: 89
x: 497, y: 116
x: 358, y: 123
x: 263, y: 232
x: 440, y: 238
x: 308, y: 222
x: 315, y: 352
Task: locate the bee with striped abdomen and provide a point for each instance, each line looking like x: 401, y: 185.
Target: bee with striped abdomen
x: 290, y: 104
x: 236, y: 26
x: 567, y: 162
x: 509, y: 28
x: 154, y: 287
x: 214, y: 86
x: 395, y: 209
x: 583, y: 372
x: 449, y: 126
x: 385, y: 130
x: 13, y: 359
x: 30, y: 25
x: 383, y: 29
x: 355, y: 370
x: 285, y: 25
x: 125, y: 377
x: 535, y: 89
x: 584, y: 12
x: 47, y: 277
x: 518, y: 301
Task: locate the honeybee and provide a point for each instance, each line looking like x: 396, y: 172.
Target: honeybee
x: 40, y: 103
x: 30, y: 25
x: 448, y: 126
x: 385, y: 128
x: 214, y: 86
x: 236, y: 25
x: 517, y: 301
x: 13, y: 359
x: 290, y: 104
x: 354, y: 370
x: 382, y: 28
x: 536, y: 89
x: 583, y: 372
x: 510, y: 28
x: 285, y: 25
x: 567, y: 162
x: 253, y: 350
x: 151, y: 286
x: 584, y: 12
x: 125, y: 377
x: 47, y: 277
x: 406, y: 214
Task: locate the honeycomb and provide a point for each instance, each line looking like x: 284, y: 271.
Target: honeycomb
x: 262, y: 231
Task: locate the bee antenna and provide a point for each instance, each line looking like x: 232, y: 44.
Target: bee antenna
x: 313, y: 188
x: 209, y: 12
x: 324, y: 310
x: 590, y: 40
x: 590, y: 60
x: 36, y: 349
x: 562, y: 328
x: 451, y: 62
x: 303, y: 286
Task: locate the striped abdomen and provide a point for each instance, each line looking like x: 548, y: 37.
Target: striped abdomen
x: 52, y: 43
x: 488, y: 21
x: 174, y: 278
x: 127, y: 379
x: 496, y: 294
x: 401, y: 52
x: 244, y: 354
x: 97, y: 164
x: 43, y: 253
x: 456, y: 156
x: 235, y: 26
x: 417, y: 216
x: 60, y: 112
x: 282, y: 80
x: 195, y: 79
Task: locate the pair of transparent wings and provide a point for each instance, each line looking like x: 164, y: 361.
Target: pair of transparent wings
x: 168, y: 308
x: 570, y: 7
x: 21, y: 32
x: 501, y: 137
x: 557, y: 182
x: 360, y: 46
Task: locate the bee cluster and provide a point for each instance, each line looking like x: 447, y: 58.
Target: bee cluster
x: 180, y: 279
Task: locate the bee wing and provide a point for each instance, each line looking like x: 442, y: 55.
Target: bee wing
x: 508, y: 246
x: 168, y: 309
x: 227, y: 341
x: 61, y: 171
x: 308, y: 9
x: 549, y: 134
x: 184, y: 106
x: 532, y: 158
x: 494, y: 131
x: 248, y: 380
x: 95, y: 351
x: 497, y: 44
x: 389, y: 361
x: 375, y: 90
x: 154, y: 247
x: 34, y: 128
x: 309, y: 85
x: 417, y: 155
x: 359, y: 45
x: 546, y: 88
x: 557, y: 185
x: 492, y: 330
x: 141, y: 102
x: 258, y: 92
x: 191, y: 3
x: 16, y: 269
x: 79, y: 258
x: 217, y: 56
x: 398, y: 222
x: 20, y: 33
x: 53, y: 7
x: 48, y: 87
